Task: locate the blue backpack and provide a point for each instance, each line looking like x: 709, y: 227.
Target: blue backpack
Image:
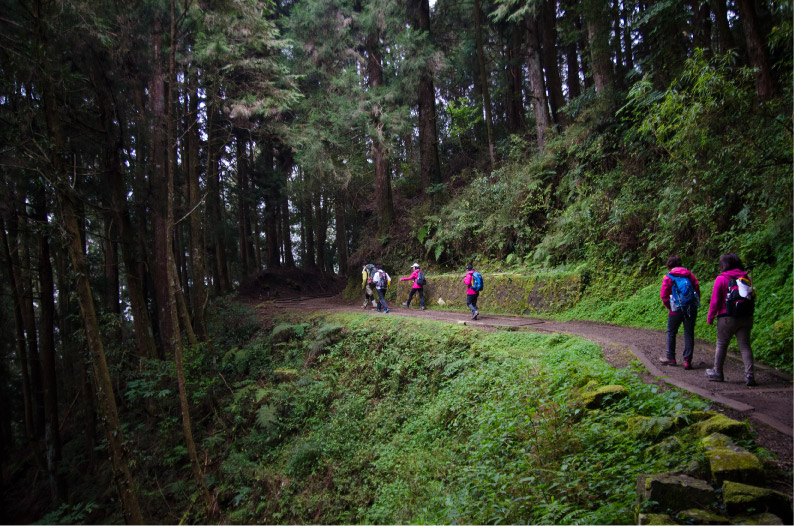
x: 476, y: 281
x: 684, y: 294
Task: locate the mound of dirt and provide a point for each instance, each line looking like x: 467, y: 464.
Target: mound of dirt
x: 286, y: 283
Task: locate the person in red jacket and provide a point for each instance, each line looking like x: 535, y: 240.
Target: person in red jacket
x: 727, y: 325
x: 686, y: 314
x: 416, y: 287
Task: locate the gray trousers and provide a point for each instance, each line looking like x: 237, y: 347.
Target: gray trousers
x: 727, y: 326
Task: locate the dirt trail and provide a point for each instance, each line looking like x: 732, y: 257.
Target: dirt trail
x: 769, y: 407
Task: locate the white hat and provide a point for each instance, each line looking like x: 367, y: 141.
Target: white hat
x: 415, y: 265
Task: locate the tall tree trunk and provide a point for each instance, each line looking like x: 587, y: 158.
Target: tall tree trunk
x: 125, y: 485
x: 596, y: 20
x: 383, y: 196
x: 21, y: 345
x: 214, y: 202
x: 175, y: 339
x: 308, y: 223
x: 52, y: 435
x: 756, y: 50
x: 429, y: 164
x: 341, y: 230
x: 539, y: 102
x: 486, y: 92
x: 628, y: 45
x: 197, y: 267
x: 243, y: 216
x: 571, y: 54
x: 549, y: 48
x: 321, y: 223
x: 285, y: 166
x: 514, y: 82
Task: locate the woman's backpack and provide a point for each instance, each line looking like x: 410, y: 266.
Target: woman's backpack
x: 420, y: 279
x: 476, y: 281
x: 740, y: 299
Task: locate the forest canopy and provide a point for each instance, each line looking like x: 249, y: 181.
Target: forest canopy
x: 158, y: 155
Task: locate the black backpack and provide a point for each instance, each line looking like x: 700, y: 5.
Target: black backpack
x: 740, y: 299
x: 420, y: 278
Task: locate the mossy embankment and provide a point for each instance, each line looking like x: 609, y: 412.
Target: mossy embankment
x: 360, y: 419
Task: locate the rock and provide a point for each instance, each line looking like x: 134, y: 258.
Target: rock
x: 647, y: 426
x: 667, y: 447
x: 655, y: 518
x: 595, y: 399
x: 699, y: 516
x: 740, y: 497
x: 724, y: 425
x: 716, y: 440
x: 736, y: 465
x: 758, y: 518
x: 675, y: 492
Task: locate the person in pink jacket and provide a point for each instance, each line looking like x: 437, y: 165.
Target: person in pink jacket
x: 678, y: 314
x: 731, y: 268
x: 416, y: 287
x: 471, y: 294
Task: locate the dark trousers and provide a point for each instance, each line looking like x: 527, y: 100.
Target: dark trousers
x: 674, y: 321
x: 421, y: 296
x: 382, y: 302
x: 471, y: 302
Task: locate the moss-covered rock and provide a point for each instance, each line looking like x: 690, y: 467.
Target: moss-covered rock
x: 758, y: 518
x: 648, y: 426
x: 724, y: 425
x: 596, y: 399
x: 734, y: 464
x: 700, y: 516
x: 655, y: 518
x: 739, y: 498
x: 668, y: 447
x: 675, y: 492
x: 716, y: 441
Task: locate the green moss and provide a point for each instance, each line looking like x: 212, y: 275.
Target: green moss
x: 733, y: 465
x: 596, y: 399
x: 716, y: 441
x: 724, y: 425
x: 740, y: 497
x: 655, y: 518
x: 699, y: 516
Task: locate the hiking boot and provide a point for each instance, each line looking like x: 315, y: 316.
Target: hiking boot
x: 714, y: 375
x: 687, y: 365
x: 751, y: 381
x: 378, y: 310
x: 476, y: 313
x: 664, y: 360
x: 386, y: 311
x: 405, y: 304
x: 422, y: 307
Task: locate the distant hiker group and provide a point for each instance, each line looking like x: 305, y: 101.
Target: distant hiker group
x: 375, y: 279
x: 732, y: 305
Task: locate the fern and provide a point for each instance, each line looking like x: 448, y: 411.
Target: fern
x: 266, y: 417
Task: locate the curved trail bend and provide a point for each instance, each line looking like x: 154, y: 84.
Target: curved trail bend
x: 769, y: 406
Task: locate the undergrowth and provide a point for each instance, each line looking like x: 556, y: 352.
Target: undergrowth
x: 351, y: 419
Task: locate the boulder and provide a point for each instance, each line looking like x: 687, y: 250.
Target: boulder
x: 655, y: 518
x: 716, y: 441
x: 734, y: 464
x: 699, y: 516
x: 595, y: 399
x: 724, y: 425
x: 758, y: 518
x: 675, y: 492
x: 740, y: 497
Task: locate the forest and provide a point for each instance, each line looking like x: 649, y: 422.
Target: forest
x: 160, y: 156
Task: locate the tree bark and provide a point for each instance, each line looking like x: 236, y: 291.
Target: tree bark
x: 724, y: 37
x: 756, y: 50
x: 598, y: 38
x: 52, y: 435
x: 341, y: 230
x: 243, y: 215
x: 486, y: 92
x: 539, y: 103
x: 215, y: 145
x: 514, y: 82
x: 285, y: 166
x: 429, y: 164
x: 549, y: 47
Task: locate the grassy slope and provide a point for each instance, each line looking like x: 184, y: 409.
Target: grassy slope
x: 353, y: 419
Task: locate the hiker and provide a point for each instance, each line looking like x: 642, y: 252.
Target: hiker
x: 473, y: 282
x: 367, y: 271
x: 680, y: 293
x: 734, y: 315
x: 418, y: 278
x: 382, y: 281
